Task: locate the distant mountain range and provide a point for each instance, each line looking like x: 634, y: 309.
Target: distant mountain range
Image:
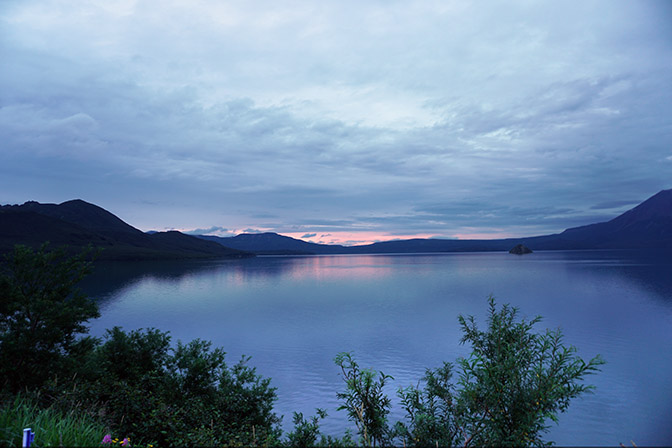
x: 649, y: 225
x: 273, y: 244
x: 77, y: 223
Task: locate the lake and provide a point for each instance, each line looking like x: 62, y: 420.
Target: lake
x: 398, y: 314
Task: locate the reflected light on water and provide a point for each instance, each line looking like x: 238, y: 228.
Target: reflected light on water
x: 398, y: 314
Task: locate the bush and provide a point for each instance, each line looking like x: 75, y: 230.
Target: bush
x: 42, y: 315
x: 135, y: 383
x: 306, y: 433
x: 513, y: 382
x: 430, y: 412
x: 364, y: 400
x: 185, y: 395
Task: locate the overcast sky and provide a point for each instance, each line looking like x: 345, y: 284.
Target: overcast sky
x: 338, y: 121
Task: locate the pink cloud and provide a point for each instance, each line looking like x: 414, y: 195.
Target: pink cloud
x: 355, y: 238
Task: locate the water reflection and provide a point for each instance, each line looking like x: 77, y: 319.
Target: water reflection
x: 399, y: 314
x: 649, y: 270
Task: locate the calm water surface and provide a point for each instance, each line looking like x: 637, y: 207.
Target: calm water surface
x: 398, y: 314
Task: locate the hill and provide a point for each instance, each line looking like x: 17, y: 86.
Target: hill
x: 77, y: 223
x: 648, y: 225
x: 273, y: 244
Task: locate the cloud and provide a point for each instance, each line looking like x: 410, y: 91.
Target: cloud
x: 308, y: 235
x: 214, y: 230
x: 615, y: 204
x: 390, y: 117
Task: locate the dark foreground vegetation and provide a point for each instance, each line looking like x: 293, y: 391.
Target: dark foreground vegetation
x: 140, y: 388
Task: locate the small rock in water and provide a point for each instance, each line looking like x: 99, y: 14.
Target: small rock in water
x: 520, y: 249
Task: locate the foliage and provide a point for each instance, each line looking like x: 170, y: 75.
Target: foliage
x: 134, y: 383
x: 184, y: 395
x: 306, y: 432
x: 515, y: 380
x: 140, y: 385
x: 364, y: 400
x: 52, y: 426
x: 41, y: 314
x: 430, y: 411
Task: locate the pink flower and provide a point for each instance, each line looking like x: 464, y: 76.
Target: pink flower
x: 126, y: 442
x: 107, y: 439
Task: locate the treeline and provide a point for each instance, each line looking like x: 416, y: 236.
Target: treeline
x: 138, y: 386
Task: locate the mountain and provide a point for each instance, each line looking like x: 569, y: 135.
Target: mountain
x: 274, y: 244
x: 81, y: 213
x: 649, y: 225
x: 77, y: 223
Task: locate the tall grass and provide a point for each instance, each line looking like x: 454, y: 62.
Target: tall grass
x: 51, y: 427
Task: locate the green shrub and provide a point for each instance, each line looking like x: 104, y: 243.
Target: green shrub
x: 513, y: 382
x: 186, y: 395
x: 42, y: 315
x: 306, y: 433
x: 135, y: 383
x: 364, y: 400
x: 430, y: 412
x: 140, y: 386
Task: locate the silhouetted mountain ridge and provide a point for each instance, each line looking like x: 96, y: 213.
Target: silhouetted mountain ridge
x: 77, y: 224
x: 648, y: 225
x: 82, y: 213
x: 274, y: 244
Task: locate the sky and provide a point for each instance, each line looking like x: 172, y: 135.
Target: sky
x: 341, y: 121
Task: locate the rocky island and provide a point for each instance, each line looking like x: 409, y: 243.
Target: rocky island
x: 520, y: 249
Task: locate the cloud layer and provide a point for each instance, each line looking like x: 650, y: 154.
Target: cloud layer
x: 384, y: 119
